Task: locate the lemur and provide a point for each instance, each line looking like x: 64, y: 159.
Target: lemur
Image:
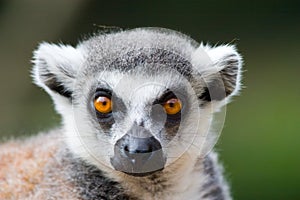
x: 137, y: 110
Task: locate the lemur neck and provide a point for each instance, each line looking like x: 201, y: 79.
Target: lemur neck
x: 181, y: 180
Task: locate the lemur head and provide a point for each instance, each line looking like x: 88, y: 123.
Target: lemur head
x: 138, y: 101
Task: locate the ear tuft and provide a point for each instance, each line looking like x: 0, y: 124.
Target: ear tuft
x: 221, y: 69
x: 55, y: 67
x: 231, y: 73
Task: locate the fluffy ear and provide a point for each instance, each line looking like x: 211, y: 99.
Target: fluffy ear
x: 55, y: 68
x: 220, y: 68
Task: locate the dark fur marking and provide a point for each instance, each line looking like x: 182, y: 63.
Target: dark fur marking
x: 139, y: 57
x: 214, y: 193
x: 51, y: 81
x: 212, y: 185
x: 230, y: 72
x: 91, y: 183
x: 56, y: 86
x: 214, y: 91
x: 205, y: 96
x: 119, y: 109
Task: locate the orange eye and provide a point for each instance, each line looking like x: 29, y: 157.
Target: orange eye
x: 103, y: 104
x: 172, y: 106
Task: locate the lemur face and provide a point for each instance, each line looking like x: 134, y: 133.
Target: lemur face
x: 137, y: 101
x: 135, y: 122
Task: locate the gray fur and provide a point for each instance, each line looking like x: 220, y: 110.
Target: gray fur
x: 89, y: 181
x: 137, y: 67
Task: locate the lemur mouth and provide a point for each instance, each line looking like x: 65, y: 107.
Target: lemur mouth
x: 139, y: 167
x: 143, y: 174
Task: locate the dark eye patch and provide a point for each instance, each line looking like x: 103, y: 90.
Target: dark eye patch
x: 171, y: 120
x: 106, y: 120
x: 168, y: 94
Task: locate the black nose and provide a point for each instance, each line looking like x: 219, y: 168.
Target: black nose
x: 139, y: 148
x: 138, y: 156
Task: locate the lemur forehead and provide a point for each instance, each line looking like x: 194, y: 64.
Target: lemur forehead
x: 133, y: 85
x: 146, y: 61
x: 128, y: 49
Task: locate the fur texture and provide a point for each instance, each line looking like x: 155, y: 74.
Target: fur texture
x: 42, y: 167
x: 136, y: 69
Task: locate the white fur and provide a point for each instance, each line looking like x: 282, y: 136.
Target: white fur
x: 211, y: 56
x: 86, y: 140
x: 56, y: 56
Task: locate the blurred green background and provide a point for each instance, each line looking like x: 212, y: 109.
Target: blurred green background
x: 260, y: 144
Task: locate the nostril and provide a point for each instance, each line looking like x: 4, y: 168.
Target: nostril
x: 126, y: 148
x: 140, y: 148
x: 126, y: 151
x: 136, y: 155
x: 144, y: 148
